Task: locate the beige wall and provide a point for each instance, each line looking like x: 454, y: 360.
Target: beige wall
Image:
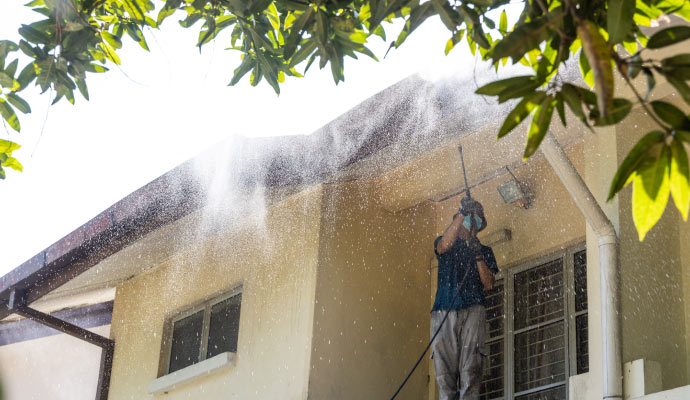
x: 275, y: 260
x: 372, y: 314
x: 653, y: 278
x: 684, y: 244
x: 652, y: 298
x: 58, y: 367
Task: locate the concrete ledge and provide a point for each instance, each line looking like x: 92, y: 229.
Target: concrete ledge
x: 681, y: 393
x: 185, y: 375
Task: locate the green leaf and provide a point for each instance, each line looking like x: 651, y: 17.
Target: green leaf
x: 633, y: 161
x: 682, y: 87
x: 8, y: 147
x: 680, y: 178
x: 510, y: 88
x: 599, y: 55
x: 682, y: 136
x: 520, y: 112
x: 83, y: 89
x: 296, y: 30
x: 448, y: 15
x: 671, y: 115
x: 650, y: 192
x: 619, y: 20
x: 19, y: 103
x: 560, y: 107
x: 305, y: 51
x: 12, y: 162
x: 33, y: 35
x: 526, y: 37
x: 539, y: 125
x: 571, y: 95
x: 112, y: 40
x: 497, y: 87
x: 272, y: 13
x: 109, y: 52
x: 9, y: 115
x: 586, y: 70
x: 620, y: 109
x: 3, y: 174
x: 6, y: 81
x: 247, y: 64
x: 630, y: 46
x: 12, y: 68
x: 503, y: 23
x: 668, y: 36
x: 677, y: 66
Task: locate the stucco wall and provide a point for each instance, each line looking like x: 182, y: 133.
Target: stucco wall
x: 684, y: 244
x: 652, y: 296
x: 58, y: 367
x: 275, y: 260
x: 371, y: 319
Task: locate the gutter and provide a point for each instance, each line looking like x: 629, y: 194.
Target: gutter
x: 608, y: 264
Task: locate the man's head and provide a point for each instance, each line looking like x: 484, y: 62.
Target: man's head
x: 472, y: 212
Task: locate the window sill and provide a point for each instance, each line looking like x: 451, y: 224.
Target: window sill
x: 185, y: 375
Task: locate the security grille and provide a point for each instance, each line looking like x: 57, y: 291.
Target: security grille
x: 537, y: 329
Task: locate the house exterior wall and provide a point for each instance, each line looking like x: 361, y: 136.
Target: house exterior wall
x: 275, y: 261
x: 654, y: 285
x: 58, y: 367
x: 371, y: 319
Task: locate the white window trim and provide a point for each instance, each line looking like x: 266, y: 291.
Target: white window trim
x: 185, y: 375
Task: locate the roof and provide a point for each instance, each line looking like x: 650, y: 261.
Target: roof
x: 408, y: 112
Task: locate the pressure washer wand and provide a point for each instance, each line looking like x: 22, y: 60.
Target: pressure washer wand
x: 464, y: 173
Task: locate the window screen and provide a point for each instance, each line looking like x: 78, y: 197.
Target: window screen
x: 186, y: 341
x: 224, y: 326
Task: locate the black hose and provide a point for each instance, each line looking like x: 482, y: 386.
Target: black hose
x: 445, y: 317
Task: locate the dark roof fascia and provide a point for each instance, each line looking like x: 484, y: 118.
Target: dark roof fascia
x: 164, y: 200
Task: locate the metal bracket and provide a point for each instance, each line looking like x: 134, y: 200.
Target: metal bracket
x: 17, y: 305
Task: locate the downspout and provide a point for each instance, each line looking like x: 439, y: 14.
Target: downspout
x: 608, y: 264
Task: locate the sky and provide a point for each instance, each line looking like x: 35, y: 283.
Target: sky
x: 163, y: 107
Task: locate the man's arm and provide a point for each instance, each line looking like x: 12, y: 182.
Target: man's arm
x: 485, y: 274
x: 454, y: 230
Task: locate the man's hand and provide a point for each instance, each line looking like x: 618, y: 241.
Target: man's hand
x: 475, y: 246
x: 471, y: 205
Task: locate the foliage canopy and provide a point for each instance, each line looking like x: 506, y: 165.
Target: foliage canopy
x: 77, y: 37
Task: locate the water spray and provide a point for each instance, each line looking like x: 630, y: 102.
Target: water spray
x: 452, y: 302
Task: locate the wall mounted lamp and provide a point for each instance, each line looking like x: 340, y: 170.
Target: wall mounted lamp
x: 514, y: 192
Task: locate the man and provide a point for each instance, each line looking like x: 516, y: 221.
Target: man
x: 458, y: 350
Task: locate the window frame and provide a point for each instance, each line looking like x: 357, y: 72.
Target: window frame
x: 204, y: 305
x: 507, y: 278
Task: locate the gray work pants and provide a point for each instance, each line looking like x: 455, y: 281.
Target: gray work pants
x: 458, y: 352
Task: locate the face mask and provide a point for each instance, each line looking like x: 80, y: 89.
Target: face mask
x: 467, y: 222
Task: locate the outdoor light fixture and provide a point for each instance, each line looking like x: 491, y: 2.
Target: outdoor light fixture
x: 514, y: 192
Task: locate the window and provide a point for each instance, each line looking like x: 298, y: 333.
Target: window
x: 204, y: 331
x: 537, y: 329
